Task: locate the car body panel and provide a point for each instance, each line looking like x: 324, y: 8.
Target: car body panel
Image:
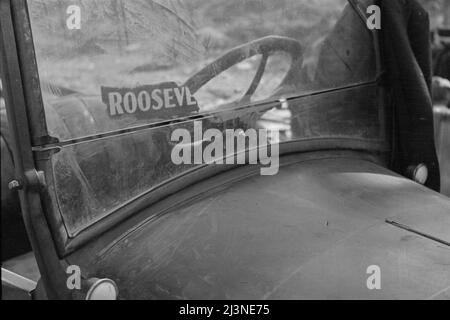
x: 309, y: 233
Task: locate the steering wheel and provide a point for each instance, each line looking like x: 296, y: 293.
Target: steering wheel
x: 265, y: 46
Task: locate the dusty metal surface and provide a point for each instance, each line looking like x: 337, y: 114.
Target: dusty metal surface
x: 311, y: 232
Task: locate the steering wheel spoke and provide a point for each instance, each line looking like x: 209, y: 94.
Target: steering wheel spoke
x: 256, y: 80
x: 266, y: 47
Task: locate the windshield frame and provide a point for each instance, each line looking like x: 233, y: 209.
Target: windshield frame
x: 17, y: 104
x: 44, y: 146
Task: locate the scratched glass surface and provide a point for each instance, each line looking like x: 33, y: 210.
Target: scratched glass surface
x: 93, y: 179
x: 240, y: 60
x: 126, y: 44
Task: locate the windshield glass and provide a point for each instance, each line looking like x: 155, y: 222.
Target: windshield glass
x: 118, y: 77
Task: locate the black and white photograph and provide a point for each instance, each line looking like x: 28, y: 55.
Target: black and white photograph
x: 225, y: 154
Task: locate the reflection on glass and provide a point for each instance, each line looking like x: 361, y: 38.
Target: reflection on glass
x: 226, y: 56
x: 127, y: 44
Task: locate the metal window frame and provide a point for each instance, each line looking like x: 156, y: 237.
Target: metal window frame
x: 18, y: 95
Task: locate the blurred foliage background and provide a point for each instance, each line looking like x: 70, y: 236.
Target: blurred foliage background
x: 439, y: 12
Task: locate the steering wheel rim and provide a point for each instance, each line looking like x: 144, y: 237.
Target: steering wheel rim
x: 265, y: 46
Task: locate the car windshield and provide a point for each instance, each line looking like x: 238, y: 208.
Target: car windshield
x: 118, y: 77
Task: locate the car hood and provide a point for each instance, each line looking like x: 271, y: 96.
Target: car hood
x: 314, y: 231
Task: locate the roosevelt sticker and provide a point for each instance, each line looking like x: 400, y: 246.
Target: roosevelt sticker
x: 164, y: 100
